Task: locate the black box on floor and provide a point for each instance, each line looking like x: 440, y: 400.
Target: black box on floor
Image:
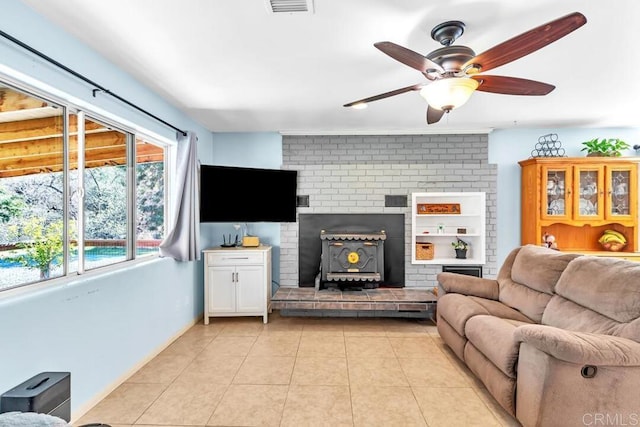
x: 45, y: 393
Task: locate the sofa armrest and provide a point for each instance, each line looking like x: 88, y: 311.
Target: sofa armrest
x: 580, y: 347
x: 468, y: 285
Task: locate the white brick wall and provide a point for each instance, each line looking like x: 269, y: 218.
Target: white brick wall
x: 352, y: 174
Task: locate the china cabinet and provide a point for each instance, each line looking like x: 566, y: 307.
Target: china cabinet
x: 576, y: 199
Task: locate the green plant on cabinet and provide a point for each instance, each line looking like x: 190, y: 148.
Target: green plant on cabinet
x: 607, y: 147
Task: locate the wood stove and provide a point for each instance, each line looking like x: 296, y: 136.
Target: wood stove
x: 352, y: 258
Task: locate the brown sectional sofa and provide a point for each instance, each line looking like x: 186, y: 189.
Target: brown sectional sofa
x: 555, y: 338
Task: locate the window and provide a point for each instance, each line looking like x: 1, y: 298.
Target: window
x: 150, y: 196
x: 77, y: 192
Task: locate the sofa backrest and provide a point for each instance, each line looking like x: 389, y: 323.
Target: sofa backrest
x: 528, y: 277
x: 597, y: 295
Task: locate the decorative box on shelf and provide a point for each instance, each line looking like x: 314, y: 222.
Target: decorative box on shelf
x: 438, y: 208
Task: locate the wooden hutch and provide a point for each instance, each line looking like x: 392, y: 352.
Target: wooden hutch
x: 577, y: 198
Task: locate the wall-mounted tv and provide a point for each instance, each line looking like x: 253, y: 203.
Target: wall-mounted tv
x: 237, y: 194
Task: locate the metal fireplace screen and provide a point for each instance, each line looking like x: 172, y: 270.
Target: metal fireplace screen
x: 352, y: 257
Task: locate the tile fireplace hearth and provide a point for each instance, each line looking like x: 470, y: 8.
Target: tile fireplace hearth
x: 380, y: 302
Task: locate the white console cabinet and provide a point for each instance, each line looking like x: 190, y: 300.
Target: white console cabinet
x: 237, y: 282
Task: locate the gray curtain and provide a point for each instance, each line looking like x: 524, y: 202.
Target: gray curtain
x: 183, y: 241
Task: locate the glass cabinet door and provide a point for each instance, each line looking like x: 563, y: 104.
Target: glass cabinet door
x: 619, y: 196
x: 556, y: 200
x: 589, y: 197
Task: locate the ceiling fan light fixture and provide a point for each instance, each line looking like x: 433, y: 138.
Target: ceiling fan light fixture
x: 359, y: 105
x: 447, y: 94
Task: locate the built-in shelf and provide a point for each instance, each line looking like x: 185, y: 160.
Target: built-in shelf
x: 444, y: 229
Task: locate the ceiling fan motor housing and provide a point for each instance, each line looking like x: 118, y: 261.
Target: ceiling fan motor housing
x: 451, y: 58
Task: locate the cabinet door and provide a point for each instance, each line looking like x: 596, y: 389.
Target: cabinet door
x: 588, y: 195
x: 250, y: 289
x: 222, y: 289
x: 621, y: 198
x: 556, y: 193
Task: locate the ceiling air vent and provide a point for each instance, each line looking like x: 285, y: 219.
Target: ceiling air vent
x: 290, y: 6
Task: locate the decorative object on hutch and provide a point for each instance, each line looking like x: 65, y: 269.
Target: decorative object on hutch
x: 438, y: 217
x: 611, y: 147
x: 612, y: 240
x: 549, y: 240
x: 576, y: 199
x: 548, y: 146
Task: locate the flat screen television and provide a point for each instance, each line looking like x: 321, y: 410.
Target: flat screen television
x: 238, y: 194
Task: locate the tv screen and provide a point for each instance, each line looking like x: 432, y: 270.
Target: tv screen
x: 235, y: 194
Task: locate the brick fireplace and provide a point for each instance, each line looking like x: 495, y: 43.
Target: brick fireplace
x: 356, y: 174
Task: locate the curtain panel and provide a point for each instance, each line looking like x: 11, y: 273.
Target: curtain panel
x: 183, y: 240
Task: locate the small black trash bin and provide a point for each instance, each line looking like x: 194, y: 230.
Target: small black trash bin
x: 45, y: 393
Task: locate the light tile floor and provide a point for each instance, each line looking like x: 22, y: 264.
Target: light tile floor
x: 302, y: 371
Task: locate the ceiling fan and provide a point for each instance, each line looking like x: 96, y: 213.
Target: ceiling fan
x: 454, y: 71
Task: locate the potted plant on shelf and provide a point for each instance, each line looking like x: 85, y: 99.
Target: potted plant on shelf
x: 461, y: 248
x: 605, y: 147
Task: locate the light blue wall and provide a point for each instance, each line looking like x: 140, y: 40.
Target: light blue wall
x: 100, y: 326
x: 508, y: 147
x: 251, y: 150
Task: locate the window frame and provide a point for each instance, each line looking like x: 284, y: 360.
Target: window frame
x: 133, y: 132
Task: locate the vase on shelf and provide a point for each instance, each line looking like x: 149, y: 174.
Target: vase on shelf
x: 461, y: 253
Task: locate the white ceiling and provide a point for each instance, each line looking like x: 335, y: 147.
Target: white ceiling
x: 235, y: 67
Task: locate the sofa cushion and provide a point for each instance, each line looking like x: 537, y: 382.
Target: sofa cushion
x: 456, y: 309
x: 608, y: 286
x: 528, y: 277
x: 498, y: 309
x: 598, y: 295
x: 501, y: 387
x: 494, y: 338
x: 539, y: 268
x: 565, y: 314
x: 455, y: 341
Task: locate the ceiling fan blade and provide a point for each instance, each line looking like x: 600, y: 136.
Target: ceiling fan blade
x: 527, y: 42
x: 434, y: 115
x: 408, y: 57
x: 511, y: 85
x: 385, y: 95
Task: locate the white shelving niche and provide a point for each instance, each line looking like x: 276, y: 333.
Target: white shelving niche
x: 442, y: 229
